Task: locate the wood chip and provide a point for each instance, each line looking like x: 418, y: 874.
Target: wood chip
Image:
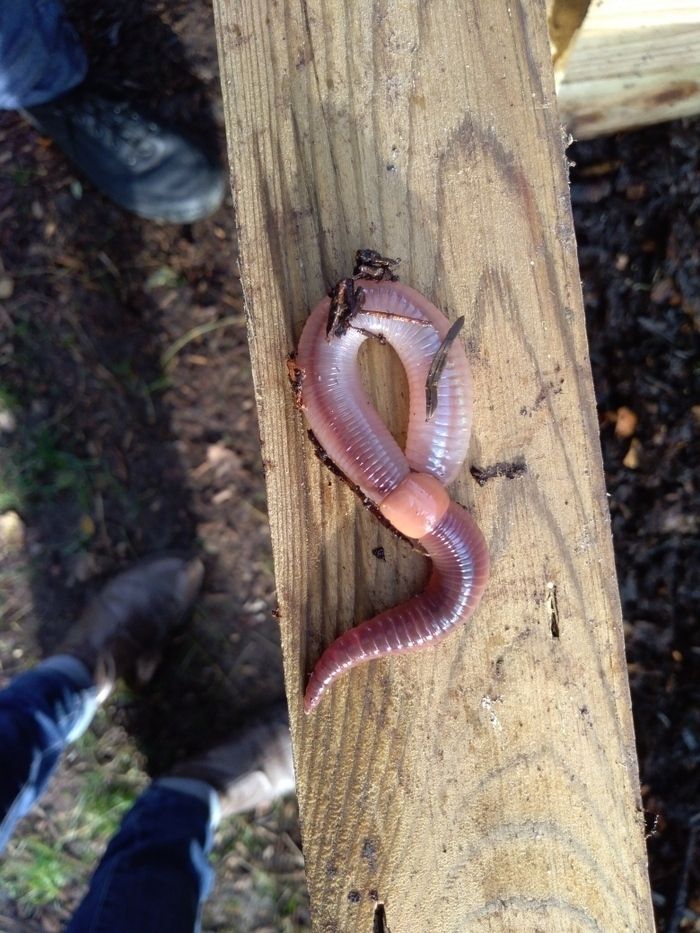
x: 626, y: 422
x: 631, y: 460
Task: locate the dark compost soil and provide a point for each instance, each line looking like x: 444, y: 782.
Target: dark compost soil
x: 115, y: 455
x: 636, y: 204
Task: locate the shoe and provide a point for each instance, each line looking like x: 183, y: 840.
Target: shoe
x: 253, y: 767
x: 143, y: 166
x: 123, y: 630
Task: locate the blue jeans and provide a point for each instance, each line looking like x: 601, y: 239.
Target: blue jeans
x: 155, y: 874
x: 40, y: 54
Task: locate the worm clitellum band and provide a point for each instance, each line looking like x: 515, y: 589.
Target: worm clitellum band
x: 408, y: 487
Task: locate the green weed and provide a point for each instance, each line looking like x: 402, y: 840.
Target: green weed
x: 101, y: 805
x: 38, y: 468
x: 36, y: 870
x: 36, y: 873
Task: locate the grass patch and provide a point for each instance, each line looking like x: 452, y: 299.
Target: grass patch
x: 101, y: 805
x: 36, y: 873
x: 86, y: 803
x: 38, y: 468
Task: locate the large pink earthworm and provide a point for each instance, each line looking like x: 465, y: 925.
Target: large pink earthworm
x: 408, y: 487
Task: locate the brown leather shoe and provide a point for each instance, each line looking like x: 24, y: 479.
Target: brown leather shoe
x: 253, y: 767
x: 122, y: 631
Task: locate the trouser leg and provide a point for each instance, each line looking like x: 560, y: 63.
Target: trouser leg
x: 41, y: 55
x: 40, y: 713
x: 155, y: 873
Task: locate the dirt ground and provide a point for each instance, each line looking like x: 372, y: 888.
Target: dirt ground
x: 637, y: 213
x: 128, y: 426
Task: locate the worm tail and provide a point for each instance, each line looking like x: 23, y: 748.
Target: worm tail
x: 460, y: 570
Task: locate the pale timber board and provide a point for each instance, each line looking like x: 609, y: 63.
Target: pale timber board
x: 631, y: 63
x: 489, y: 783
x: 564, y: 17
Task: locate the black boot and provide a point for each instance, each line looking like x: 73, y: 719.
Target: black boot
x: 253, y: 767
x: 129, y: 155
x: 123, y: 631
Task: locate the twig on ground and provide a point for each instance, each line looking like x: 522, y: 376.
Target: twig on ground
x: 200, y: 330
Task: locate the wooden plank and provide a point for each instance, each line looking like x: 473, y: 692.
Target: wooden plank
x: 631, y: 63
x: 489, y: 783
x: 564, y: 18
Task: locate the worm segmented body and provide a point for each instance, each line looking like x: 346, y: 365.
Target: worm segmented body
x: 408, y: 487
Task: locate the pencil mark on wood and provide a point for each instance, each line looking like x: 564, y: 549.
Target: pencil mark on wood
x: 552, y: 911
x: 526, y: 837
x: 521, y: 768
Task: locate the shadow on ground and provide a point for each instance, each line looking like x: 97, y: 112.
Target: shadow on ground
x: 128, y: 427
x: 116, y: 455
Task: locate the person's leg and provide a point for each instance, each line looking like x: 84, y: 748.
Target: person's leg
x: 40, y: 713
x: 155, y: 874
x: 121, y: 634
x: 40, y: 54
x: 139, y: 162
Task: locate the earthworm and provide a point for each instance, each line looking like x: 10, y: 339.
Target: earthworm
x: 407, y: 487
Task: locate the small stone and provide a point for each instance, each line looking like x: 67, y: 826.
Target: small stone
x: 7, y: 286
x: 83, y: 568
x: 631, y: 460
x: 626, y: 422
x: 254, y: 606
x: 11, y: 533
x: 87, y: 526
x: 8, y: 422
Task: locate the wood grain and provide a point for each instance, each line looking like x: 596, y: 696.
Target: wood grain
x: 564, y: 18
x: 631, y: 63
x: 489, y: 783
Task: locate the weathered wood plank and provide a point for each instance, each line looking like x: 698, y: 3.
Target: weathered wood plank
x: 631, y: 63
x: 564, y: 18
x: 490, y: 783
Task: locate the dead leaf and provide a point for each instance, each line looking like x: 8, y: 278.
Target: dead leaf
x: 662, y: 291
x: 631, y: 460
x: 626, y: 422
